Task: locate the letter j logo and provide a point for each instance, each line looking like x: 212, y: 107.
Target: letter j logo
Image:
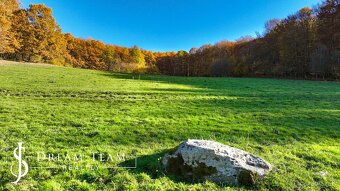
x: 18, y: 155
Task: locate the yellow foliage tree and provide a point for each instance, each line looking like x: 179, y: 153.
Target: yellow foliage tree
x: 8, y: 42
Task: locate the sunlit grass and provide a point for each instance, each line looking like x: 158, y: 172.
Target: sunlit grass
x: 295, y: 125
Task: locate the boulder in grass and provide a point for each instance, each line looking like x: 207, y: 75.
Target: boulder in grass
x: 210, y: 160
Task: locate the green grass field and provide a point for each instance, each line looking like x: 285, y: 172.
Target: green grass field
x: 294, y: 125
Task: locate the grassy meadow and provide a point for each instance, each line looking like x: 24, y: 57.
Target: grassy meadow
x: 293, y: 124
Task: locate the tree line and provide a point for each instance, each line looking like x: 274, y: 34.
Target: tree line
x: 303, y: 45
x: 32, y: 35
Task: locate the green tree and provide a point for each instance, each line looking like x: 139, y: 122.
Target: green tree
x: 137, y: 57
x: 110, y: 57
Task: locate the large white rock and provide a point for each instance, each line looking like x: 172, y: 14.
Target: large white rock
x: 210, y: 160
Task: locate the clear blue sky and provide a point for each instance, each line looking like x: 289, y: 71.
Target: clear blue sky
x: 166, y: 25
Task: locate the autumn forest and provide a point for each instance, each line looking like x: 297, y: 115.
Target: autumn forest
x: 305, y: 45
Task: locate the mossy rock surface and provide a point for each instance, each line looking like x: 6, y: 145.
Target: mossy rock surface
x: 176, y: 166
x: 197, y: 160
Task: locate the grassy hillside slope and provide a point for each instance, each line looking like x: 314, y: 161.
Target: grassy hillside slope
x: 295, y: 125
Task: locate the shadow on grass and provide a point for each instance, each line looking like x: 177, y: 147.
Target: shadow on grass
x: 152, y: 166
x: 281, y: 111
x: 149, y: 164
x: 206, y: 81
